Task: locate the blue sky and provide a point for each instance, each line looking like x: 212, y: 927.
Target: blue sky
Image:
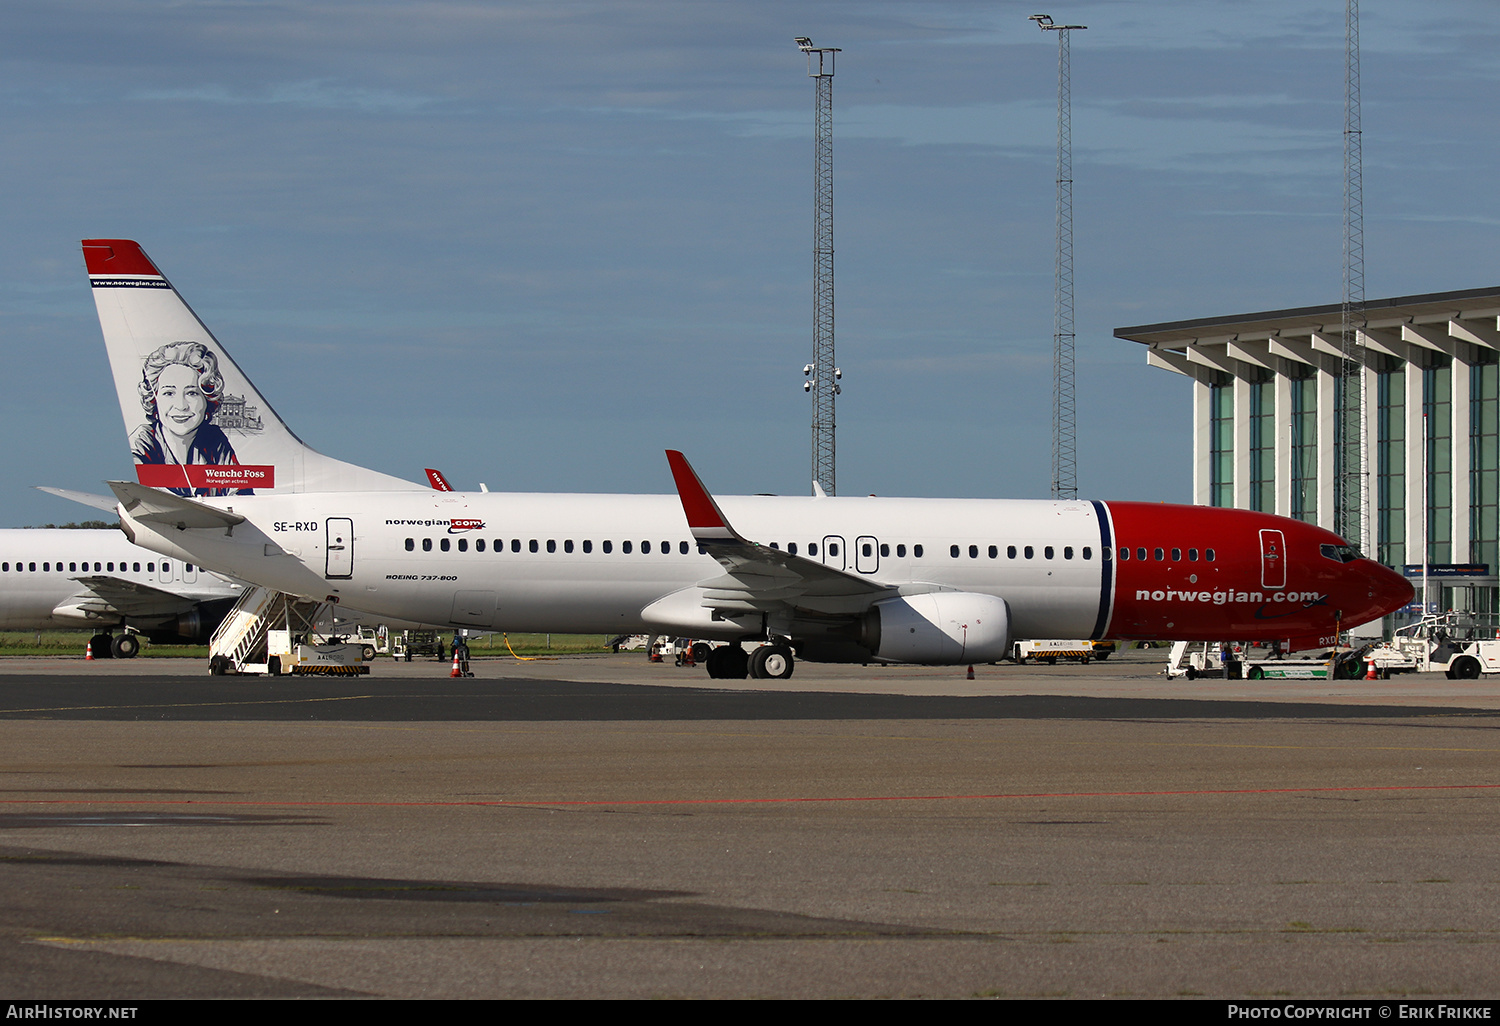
x: 534, y: 244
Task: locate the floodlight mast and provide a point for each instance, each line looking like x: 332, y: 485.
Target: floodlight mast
x: 822, y: 376
x: 1064, y: 401
x: 1352, y: 500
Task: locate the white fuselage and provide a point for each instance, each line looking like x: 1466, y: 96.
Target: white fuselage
x: 40, y: 571
x: 592, y: 563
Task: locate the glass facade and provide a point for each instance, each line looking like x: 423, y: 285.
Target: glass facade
x: 1437, y: 410
x: 1390, y: 462
x: 1263, y: 444
x: 1221, y: 447
x: 1484, y: 460
x: 1305, y: 447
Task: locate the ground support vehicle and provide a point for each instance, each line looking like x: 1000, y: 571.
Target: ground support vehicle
x: 1462, y: 645
x: 1050, y: 651
x: 423, y: 643
x: 1208, y: 659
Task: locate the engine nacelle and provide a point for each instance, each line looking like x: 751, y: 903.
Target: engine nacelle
x: 939, y: 627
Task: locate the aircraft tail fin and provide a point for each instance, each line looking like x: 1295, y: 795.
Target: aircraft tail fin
x: 197, y: 425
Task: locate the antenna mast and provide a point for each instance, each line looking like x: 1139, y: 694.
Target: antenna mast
x: 1353, y: 500
x: 822, y: 376
x: 1064, y: 402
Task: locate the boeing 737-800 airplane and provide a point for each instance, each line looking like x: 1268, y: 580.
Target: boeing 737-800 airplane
x: 221, y: 481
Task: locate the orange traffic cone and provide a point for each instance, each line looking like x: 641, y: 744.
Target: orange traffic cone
x: 1371, y: 674
x: 456, y: 671
x: 971, y: 672
x: 88, y: 651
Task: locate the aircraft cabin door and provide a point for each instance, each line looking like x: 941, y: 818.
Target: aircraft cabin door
x: 833, y: 552
x: 866, y: 554
x: 340, y: 547
x: 1272, y: 559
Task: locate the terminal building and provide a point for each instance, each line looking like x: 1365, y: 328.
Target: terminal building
x: 1265, y: 403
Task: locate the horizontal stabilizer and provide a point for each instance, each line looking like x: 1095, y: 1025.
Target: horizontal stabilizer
x: 103, y: 502
x: 152, y: 506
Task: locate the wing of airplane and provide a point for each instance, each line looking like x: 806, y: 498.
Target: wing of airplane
x: 758, y: 578
x: 104, y: 596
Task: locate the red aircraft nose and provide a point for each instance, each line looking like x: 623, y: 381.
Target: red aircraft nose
x: 1389, y: 591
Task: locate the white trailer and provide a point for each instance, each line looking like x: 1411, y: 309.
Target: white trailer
x: 1194, y: 659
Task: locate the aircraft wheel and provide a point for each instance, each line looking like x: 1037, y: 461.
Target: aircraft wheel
x: 273, y: 666
x: 1192, y: 673
x: 701, y: 650
x: 367, y: 653
x: 772, y: 662
x: 126, y: 646
x: 737, y: 663
x: 1466, y: 668
x: 101, y: 646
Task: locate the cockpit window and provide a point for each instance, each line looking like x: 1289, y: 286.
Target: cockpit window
x: 1340, y: 553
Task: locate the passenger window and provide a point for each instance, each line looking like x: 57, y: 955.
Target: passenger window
x: 568, y: 545
x: 1160, y: 555
x: 1030, y: 552
x: 625, y: 547
x: 645, y: 547
x: 885, y: 550
x: 867, y: 549
x: 1088, y: 553
x: 1010, y: 552
x: 410, y: 545
x: 588, y: 546
x: 666, y: 548
x: 791, y: 547
x: 1140, y: 554
x: 444, y: 544
x: 1068, y: 552
x: 1047, y: 552
x: 973, y: 551
x: 916, y: 551
x: 953, y: 551
x: 609, y: 547
x: 1192, y: 555
x: 72, y: 568
x: 833, y: 550
x: 682, y: 548
x: 994, y: 551
x: 150, y: 568
x: 551, y: 544
x: 463, y: 545
x: 137, y: 567
x: 515, y: 545
x: 776, y: 546
x: 900, y: 551
x: 1176, y: 555
x: 478, y: 544
x: 46, y: 567
x: 1124, y: 553
x: 812, y: 548
x: 1208, y: 554
x: 533, y: 546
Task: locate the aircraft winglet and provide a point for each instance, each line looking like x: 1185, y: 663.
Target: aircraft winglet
x: 704, y: 517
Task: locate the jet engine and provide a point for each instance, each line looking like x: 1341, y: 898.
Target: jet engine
x: 938, y: 627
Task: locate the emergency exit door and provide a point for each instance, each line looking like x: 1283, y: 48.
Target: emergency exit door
x: 1272, y: 559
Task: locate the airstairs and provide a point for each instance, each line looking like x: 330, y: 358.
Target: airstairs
x: 262, y: 631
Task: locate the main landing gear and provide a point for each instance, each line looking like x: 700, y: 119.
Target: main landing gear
x: 771, y: 661
x: 116, y: 646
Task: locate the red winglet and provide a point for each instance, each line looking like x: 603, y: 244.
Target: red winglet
x: 438, y: 481
x: 117, y: 256
x: 703, y: 515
